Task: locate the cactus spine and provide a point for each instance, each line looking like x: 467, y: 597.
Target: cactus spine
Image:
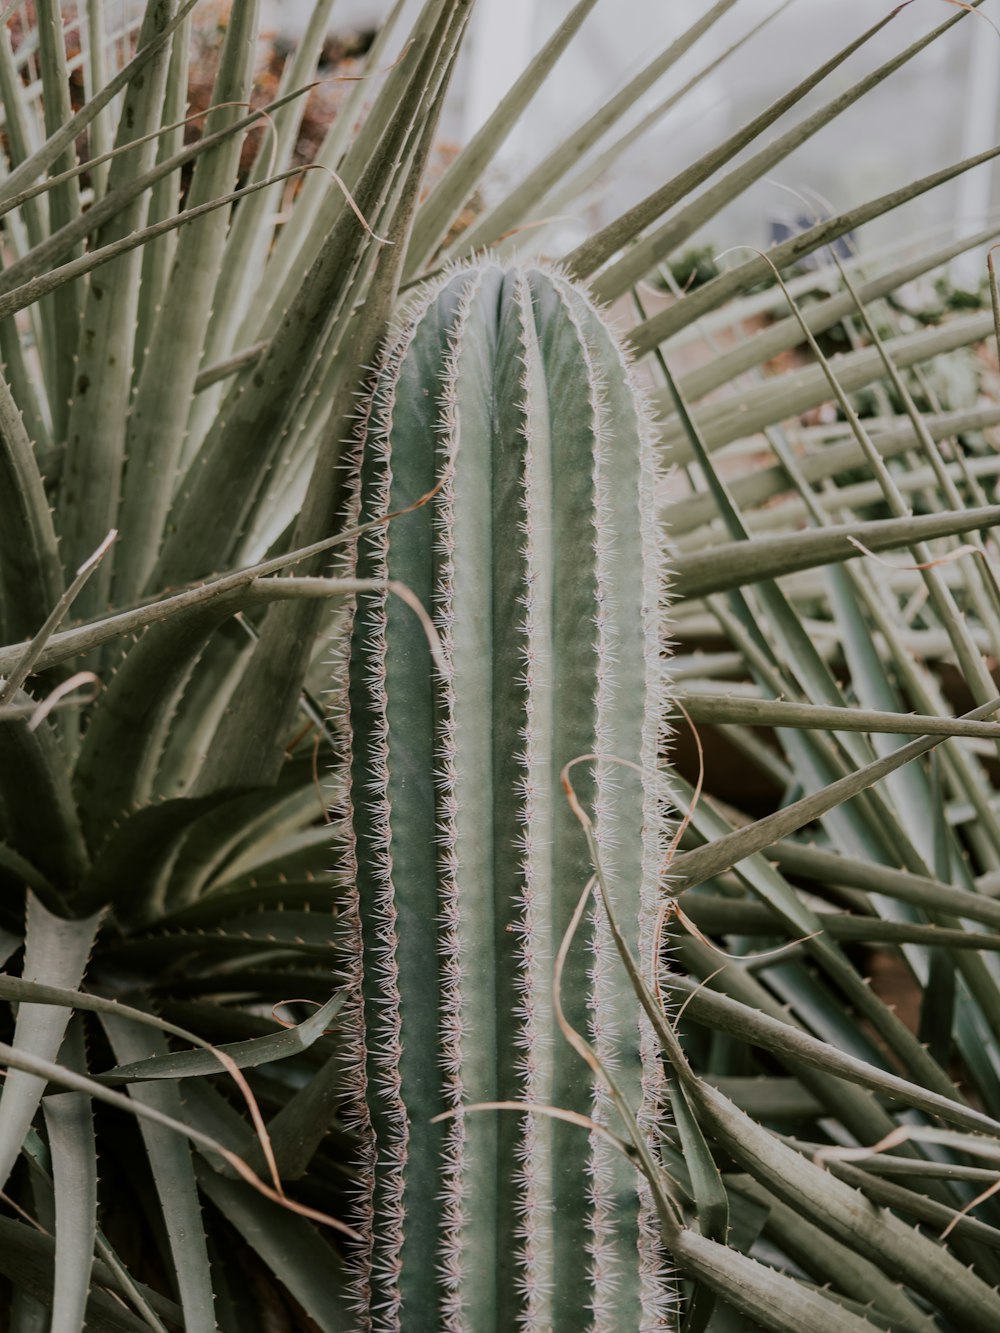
x: 537, y: 556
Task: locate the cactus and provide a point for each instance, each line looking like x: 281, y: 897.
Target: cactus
x: 506, y: 391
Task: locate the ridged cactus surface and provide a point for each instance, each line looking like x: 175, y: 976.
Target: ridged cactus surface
x: 506, y: 391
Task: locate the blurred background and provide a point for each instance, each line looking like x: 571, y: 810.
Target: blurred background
x: 941, y: 106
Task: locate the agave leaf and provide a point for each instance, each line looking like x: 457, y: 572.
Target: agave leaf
x: 693, y: 867
x: 164, y: 200
x: 42, y: 257
x: 289, y: 633
x: 803, y: 389
x: 820, y: 316
x: 834, y: 868
x: 237, y: 451
x: 56, y: 952
x: 49, y: 281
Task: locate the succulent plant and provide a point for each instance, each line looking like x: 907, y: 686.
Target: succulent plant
x: 186, y: 329
x: 506, y: 399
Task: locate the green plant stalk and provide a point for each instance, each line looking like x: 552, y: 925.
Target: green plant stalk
x: 534, y: 537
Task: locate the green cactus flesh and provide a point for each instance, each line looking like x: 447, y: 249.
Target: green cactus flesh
x: 505, y: 391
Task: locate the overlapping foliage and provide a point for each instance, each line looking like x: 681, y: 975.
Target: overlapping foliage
x: 183, y: 350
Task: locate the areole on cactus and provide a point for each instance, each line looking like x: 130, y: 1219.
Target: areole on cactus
x: 506, y: 394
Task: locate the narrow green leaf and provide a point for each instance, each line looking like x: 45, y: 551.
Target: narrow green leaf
x: 597, y: 249
x: 70, y: 1125
x: 733, y: 564
x: 55, y: 952
x: 246, y: 1055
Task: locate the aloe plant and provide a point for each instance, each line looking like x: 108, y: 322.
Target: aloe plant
x: 506, y: 397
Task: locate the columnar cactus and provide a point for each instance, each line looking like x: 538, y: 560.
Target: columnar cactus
x: 507, y: 392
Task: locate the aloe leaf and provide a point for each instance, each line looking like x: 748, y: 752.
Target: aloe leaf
x: 170, y: 1161
x: 56, y: 952
x: 697, y: 574
x: 305, y: 1120
x: 749, y: 1024
x: 288, y: 1245
x: 910, y: 1204
x: 768, y: 1298
x: 288, y: 634
x: 32, y: 571
x: 42, y: 816
x: 26, y: 1256
x: 239, y: 447
x: 102, y: 364
x: 831, y: 1262
x: 135, y: 713
x: 158, y: 415
x: 252, y: 231
x: 29, y: 171
x: 245, y: 1055
x: 17, y: 867
x: 710, y: 1198
x: 877, y: 1234
x: 70, y: 1126
x: 147, y: 839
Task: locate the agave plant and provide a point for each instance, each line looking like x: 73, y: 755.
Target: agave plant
x: 177, y: 1133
